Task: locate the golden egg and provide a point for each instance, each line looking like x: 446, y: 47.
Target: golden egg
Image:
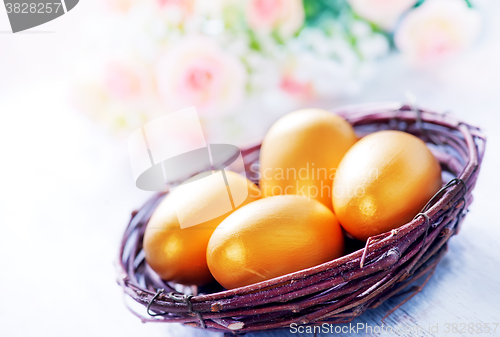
x: 301, y: 152
x: 179, y: 254
x: 272, y: 237
x: 382, y: 182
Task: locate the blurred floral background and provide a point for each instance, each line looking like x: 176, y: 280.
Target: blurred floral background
x: 247, y: 62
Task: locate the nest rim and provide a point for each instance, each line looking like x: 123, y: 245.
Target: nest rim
x: 219, y: 311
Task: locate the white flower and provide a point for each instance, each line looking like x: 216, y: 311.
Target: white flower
x: 307, y: 77
x: 436, y: 30
x: 198, y: 72
x: 176, y: 11
x: 372, y: 47
x: 384, y: 13
x: 117, y: 92
x: 264, y: 75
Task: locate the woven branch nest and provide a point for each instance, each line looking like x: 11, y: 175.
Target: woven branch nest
x: 339, y: 290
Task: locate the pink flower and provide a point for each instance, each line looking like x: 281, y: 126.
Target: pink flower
x: 187, y: 4
x: 177, y: 10
x: 119, y: 5
x: 197, y: 72
x: 384, y: 13
x: 283, y: 16
x: 437, y: 30
x: 299, y: 89
x: 296, y: 80
x: 126, y: 80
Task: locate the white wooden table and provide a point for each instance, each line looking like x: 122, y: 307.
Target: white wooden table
x: 66, y: 192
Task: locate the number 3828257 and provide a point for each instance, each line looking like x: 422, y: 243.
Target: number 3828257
x: 33, y: 8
